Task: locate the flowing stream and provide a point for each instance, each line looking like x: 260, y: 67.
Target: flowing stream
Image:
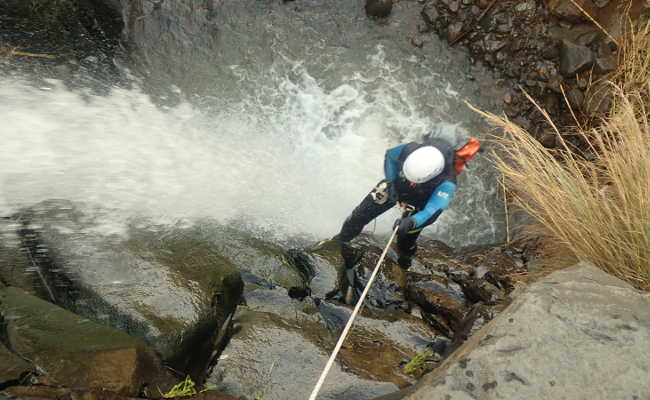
x: 272, y: 113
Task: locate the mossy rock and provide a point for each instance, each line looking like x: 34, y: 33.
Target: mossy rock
x: 76, y: 352
x: 12, y: 367
x: 261, y: 263
x: 154, y: 282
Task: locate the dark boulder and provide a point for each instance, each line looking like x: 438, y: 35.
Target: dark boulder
x: 566, y: 10
x: 574, y: 58
x: 379, y: 8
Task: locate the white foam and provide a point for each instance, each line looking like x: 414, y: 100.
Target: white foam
x: 294, y: 157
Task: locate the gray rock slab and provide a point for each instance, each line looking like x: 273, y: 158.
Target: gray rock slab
x: 577, y: 334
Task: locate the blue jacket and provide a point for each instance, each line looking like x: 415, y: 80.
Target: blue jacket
x: 432, y: 197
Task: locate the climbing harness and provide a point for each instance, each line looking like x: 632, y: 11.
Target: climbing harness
x: 323, y: 375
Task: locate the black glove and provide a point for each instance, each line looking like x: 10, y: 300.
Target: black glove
x: 406, y: 225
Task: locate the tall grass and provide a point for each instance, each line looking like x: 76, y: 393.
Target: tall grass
x: 599, y: 206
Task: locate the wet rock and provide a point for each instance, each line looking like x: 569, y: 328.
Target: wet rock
x: 572, y: 318
x: 492, y: 44
x: 379, y: 8
x: 576, y: 98
x: 545, y: 70
x: 551, y: 102
x: 277, y: 359
x: 588, y: 38
x: 581, y: 83
x: 12, y: 367
x: 54, y: 393
x: 379, y: 340
x: 566, y: 10
x: 479, y: 290
x: 604, y: 65
x: 328, y: 266
x: 512, y: 110
x: 16, y: 268
x: 512, y: 70
x: 216, y: 394
x: 598, y: 99
x: 156, y: 283
x: 504, y: 28
x: 551, y: 51
x: 440, y: 324
x: 261, y: 263
x: 526, y: 7
x: 454, y: 30
x: 417, y: 42
x: 77, y: 352
x: 574, y: 58
x: 435, y: 299
x: 430, y: 14
x: 501, y: 56
x: 440, y: 285
x: 75, y: 28
x: 338, y: 277
x: 554, y: 83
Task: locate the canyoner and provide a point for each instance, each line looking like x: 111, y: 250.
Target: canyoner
x: 419, y: 177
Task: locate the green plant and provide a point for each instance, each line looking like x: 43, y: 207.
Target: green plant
x: 185, y: 388
x: 419, y: 362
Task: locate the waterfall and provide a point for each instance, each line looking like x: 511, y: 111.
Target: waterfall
x: 285, y: 136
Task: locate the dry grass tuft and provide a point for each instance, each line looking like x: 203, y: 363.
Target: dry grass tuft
x: 599, y: 208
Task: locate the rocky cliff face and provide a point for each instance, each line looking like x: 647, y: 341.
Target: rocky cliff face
x: 557, y: 51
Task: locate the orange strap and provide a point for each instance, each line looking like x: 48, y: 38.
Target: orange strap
x: 466, y: 154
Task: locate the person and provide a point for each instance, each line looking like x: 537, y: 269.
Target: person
x: 421, y: 178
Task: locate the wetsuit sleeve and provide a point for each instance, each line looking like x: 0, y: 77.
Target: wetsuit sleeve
x: 391, y: 161
x: 438, y: 202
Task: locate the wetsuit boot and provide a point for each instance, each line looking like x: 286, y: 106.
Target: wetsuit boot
x: 345, y: 291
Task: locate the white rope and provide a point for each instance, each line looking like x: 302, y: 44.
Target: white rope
x: 351, y: 320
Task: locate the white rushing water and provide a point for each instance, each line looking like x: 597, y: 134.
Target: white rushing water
x: 293, y: 159
x: 297, y: 162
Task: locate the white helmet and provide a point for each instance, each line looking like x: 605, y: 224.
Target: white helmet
x: 423, y: 164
